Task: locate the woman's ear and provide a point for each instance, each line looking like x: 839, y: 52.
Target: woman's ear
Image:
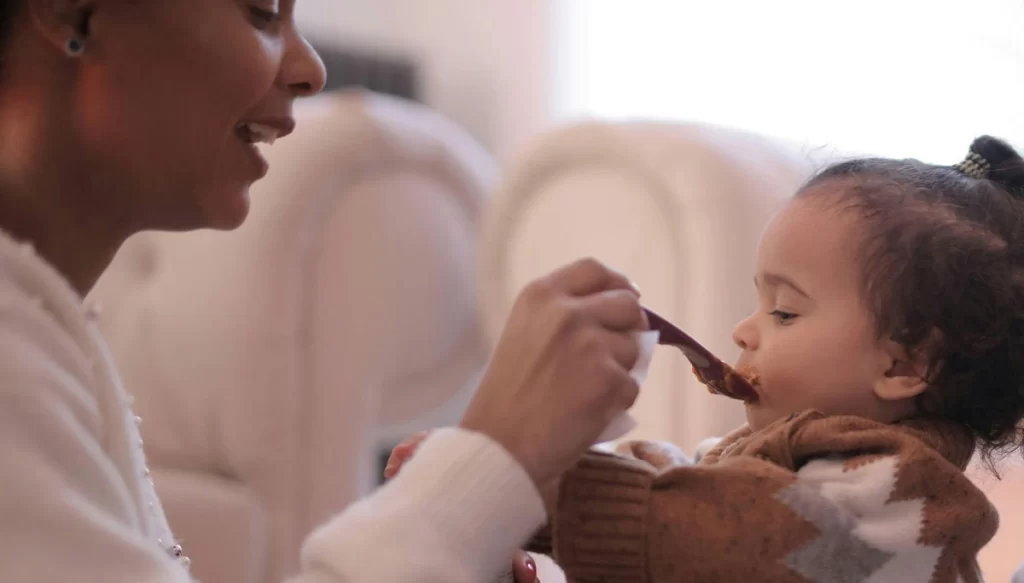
x: 905, y: 373
x: 64, y: 23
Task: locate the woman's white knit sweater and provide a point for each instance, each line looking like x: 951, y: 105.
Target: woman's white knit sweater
x: 76, y: 504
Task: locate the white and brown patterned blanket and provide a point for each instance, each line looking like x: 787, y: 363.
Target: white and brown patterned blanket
x: 810, y: 499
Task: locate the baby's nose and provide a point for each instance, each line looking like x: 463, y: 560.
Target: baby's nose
x: 745, y: 334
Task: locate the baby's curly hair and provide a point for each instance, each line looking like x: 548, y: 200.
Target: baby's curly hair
x: 943, y: 261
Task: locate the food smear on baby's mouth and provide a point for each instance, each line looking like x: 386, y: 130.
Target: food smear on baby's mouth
x: 734, y: 385
x: 754, y: 381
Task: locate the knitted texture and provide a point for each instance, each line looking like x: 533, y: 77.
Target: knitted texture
x: 810, y: 499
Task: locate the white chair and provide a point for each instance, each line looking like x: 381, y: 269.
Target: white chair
x: 272, y: 365
x: 679, y: 208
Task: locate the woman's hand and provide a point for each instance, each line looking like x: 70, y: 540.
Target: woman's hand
x: 524, y: 569
x: 560, y: 372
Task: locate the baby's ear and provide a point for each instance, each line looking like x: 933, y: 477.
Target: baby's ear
x: 906, y: 372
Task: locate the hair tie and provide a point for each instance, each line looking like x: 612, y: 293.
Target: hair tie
x: 974, y: 165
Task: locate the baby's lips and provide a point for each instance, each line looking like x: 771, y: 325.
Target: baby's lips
x: 752, y: 377
x: 740, y: 383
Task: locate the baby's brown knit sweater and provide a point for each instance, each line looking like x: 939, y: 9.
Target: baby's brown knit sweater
x: 809, y: 499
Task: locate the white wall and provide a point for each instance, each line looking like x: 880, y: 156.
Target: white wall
x: 484, y: 62
x: 786, y: 69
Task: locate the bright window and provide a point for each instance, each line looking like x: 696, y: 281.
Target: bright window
x: 912, y: 78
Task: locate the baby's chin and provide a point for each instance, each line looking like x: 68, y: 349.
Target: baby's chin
x: 759, y: 416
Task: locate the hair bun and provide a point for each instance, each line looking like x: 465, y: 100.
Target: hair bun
x: 1004, y: 165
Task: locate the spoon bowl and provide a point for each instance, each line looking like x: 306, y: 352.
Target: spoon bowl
x: 717, y: 376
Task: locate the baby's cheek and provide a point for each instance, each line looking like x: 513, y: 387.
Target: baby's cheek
x: 790, y: 372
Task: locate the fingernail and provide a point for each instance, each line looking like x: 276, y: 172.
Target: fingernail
x: 635, y: 286
x: 530, y: 565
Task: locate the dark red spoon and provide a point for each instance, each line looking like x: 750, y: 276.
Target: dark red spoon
x: 720, y: 378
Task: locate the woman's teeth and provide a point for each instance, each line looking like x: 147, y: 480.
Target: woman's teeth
x: 255, y: 133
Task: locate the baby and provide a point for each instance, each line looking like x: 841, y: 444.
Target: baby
x: 889, y: 347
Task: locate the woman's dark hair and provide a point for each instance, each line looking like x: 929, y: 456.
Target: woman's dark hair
x: 943, y: 262
x: 7, y: 14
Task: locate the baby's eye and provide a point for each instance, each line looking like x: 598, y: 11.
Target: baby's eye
x: 782, y: 317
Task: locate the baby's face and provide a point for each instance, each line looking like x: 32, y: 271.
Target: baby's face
x: 812, y: 340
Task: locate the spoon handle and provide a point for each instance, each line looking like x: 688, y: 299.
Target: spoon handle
x: 720, y: 378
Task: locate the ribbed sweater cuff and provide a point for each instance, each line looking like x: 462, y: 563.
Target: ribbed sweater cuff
x: 600, y: 528
x: 458, y: 509
x: 474, y: 492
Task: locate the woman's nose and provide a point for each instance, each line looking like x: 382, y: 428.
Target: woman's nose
x: 302, y: 70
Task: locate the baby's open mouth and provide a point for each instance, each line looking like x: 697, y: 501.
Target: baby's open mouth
x: 754, y: 380
x: 743, y: 386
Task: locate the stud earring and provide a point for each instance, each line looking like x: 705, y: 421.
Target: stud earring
x: 75, y: 47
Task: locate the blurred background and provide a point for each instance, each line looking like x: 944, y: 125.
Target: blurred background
x: 901, y: 78
x: 467, y: 146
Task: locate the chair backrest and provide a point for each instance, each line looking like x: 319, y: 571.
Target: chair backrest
x: 272, y: 364
x: 678, y: 207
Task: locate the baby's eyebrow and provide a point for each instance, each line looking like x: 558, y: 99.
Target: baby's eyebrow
x: 775, y: 280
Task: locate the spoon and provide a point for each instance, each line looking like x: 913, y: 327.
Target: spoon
x: 718, y: 377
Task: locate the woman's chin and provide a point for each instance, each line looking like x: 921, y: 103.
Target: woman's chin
x: 229, y: 211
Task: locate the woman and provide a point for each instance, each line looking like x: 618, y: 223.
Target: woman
x: 120, y: 116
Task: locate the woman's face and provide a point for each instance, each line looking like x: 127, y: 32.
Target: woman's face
x: 171, y: 94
